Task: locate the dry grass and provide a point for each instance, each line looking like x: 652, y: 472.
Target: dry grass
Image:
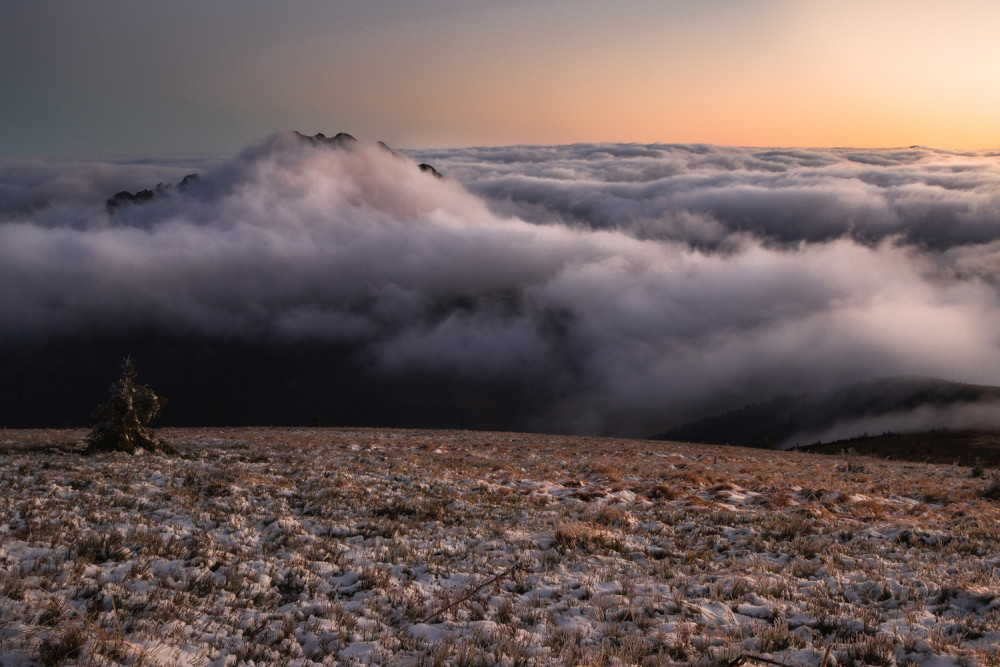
x: 330, y: 546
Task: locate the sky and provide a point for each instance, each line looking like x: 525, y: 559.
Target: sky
x: 111, y: 77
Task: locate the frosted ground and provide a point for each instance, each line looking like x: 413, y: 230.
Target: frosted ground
x: 333, y: 546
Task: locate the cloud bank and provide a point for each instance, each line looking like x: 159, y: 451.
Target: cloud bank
x: 982, y: 416
x: 641, y: 286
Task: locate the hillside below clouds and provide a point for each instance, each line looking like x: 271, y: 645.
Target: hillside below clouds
x: 616, y: 289
x: 893, y: 405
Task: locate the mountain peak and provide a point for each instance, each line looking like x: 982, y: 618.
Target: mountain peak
x: 426, y: 168
x: 340, y: 140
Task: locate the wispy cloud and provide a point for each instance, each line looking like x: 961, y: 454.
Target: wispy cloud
x: 641, y: 285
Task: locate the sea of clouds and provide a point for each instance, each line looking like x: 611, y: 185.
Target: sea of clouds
x: 643, y: 285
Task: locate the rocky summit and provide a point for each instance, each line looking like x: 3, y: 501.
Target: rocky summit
x: 339, y: 140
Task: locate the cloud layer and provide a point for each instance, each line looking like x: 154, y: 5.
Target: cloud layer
x: 643, y: 286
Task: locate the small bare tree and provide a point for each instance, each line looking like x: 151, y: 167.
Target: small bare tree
x: 123, y: 417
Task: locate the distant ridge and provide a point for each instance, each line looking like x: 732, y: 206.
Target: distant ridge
x: 781, y: 421
x: 125, y: 197
x: 938, y: 446
x: 337, y: 140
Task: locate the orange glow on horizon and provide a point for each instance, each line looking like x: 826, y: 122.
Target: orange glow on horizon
x: 438, y: 73
x: 895, y: 74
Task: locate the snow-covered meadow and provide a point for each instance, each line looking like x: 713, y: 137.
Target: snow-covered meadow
x: 338, y: 546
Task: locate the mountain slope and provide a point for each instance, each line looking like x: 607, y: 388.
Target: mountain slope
x: 899, y: 403
x: 937, y: 446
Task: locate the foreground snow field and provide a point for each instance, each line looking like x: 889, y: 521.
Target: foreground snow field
x: 336, y: 546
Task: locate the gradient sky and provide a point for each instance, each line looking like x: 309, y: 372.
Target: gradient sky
x: 119, y: 76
